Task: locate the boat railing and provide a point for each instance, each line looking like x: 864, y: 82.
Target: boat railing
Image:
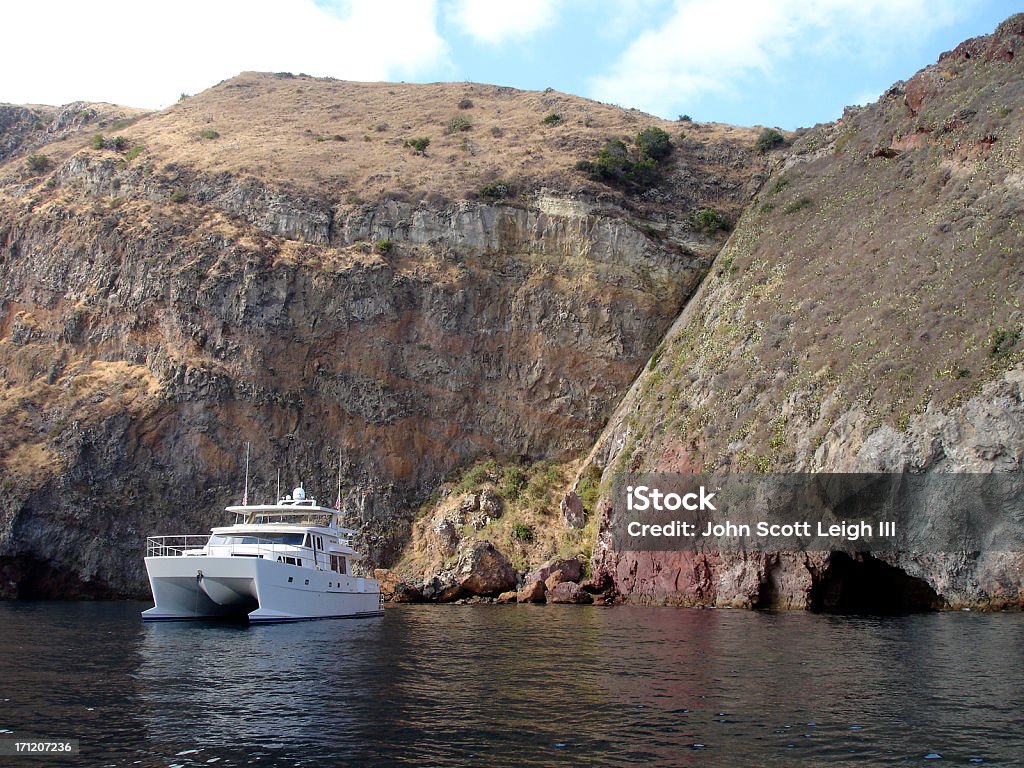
x: 176, y: 546
x: 195, y: 545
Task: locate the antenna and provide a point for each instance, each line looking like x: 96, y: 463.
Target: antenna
x: 245, y: 494
x: 278, y: 483
x: 337, y: 504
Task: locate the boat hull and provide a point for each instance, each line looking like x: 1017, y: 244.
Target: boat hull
x: 256, y: 589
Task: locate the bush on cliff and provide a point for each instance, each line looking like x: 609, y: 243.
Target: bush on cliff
x: 769, y: 139
x: 641, y: 167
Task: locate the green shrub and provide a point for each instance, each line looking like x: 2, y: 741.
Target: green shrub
x: 768, y: 139
x: 553, y: 119
x: 589, y: 488
x: 654, y: 143
x: 1003, y: 341
x: 457, y: 125
x: 513, y: 481
x: 712, y: 221
x: 120, y: 143
x: 798, y: 205
x: 523, y: 532
x: 383, y: 246
x: 179, y: 196
x: 497, y: 190
x: 134, y: 152
x: 615, y: 163
x: 685, y: 119
x: 38, y: 163
x: 497, y: 131
x: 419, y: 144
x: 97, y: 141
x: 209, y: 133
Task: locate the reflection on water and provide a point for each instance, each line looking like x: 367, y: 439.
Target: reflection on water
x: 517, y: 686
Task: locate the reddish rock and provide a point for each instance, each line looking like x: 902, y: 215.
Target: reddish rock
x: 573, y: 512
x: 569, y: 592
x: 919, y: 89
x: 532, y: 592
x: 395, y: 590
x: 571, y: 568
x: 508, y: 597
x: 483, y: 570
x: 556, y: 578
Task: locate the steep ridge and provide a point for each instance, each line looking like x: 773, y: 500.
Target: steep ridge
x: 271, y: 262
x: 865, y: 316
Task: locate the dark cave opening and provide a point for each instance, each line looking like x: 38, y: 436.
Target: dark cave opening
x: 864, y: 584
x: 24, y: 577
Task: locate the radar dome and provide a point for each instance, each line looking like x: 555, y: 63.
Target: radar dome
x: 298, y: 494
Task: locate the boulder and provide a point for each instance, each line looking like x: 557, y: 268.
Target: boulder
x: 532, y: 592
x: 569, y: 592
x: 490, y: 503
x: 406, y: 593
x: 573, y: 512
x: 442, y: 588
x: 470, y: 503
x: 556, y: 578
x: 444, y: 537
x: 508, y: 597
x: 484, y: 570
x: 571, y: 569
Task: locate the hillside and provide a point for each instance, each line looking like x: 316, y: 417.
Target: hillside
x: 270, y: 262
x: 865, y: 316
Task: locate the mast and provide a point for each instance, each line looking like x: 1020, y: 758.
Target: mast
x: 245, y: 493
x: 337, y: 504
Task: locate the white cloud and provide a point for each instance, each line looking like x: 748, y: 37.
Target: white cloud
x: 493, y: 22
x: 146, y: 54
x: 708, y: 46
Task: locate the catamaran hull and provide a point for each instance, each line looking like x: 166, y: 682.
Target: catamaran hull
x: 254, y: 588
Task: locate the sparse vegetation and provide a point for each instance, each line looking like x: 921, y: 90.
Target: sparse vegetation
x: 134, y: 152
x: 1002, y: 341
x: 799, y: 204
x: 383, y: 246
x: 419, y: 144
x: 553, y: 119
x: 466, y: 104
x: 523, y: 532
x: 37, y: 164
x: 179, y: 196
x: 209, y: 133
x: 497, y: 190
x: 710, y: 221
x: 457, y: 125
x: 768, y: 139
x: 97, y: 141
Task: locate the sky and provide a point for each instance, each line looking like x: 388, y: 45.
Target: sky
x: 783, y: 63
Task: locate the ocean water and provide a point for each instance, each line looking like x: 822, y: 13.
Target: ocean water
x: 515, y: 686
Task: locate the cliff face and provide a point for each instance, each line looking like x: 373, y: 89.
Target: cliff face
x: 170, y: 291
x: 864, y: 317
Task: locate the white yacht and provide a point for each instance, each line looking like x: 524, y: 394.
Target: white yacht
x: 288, y: 561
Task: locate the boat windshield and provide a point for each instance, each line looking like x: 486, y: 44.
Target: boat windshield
x: 293, y: 539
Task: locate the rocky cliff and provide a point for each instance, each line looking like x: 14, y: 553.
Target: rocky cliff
x: 865, y: 316
x: 278, y: 262
x: 486, y: 305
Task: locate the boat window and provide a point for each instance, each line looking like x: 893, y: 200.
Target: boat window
x: 338, y: 564
x: 292, y: 539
